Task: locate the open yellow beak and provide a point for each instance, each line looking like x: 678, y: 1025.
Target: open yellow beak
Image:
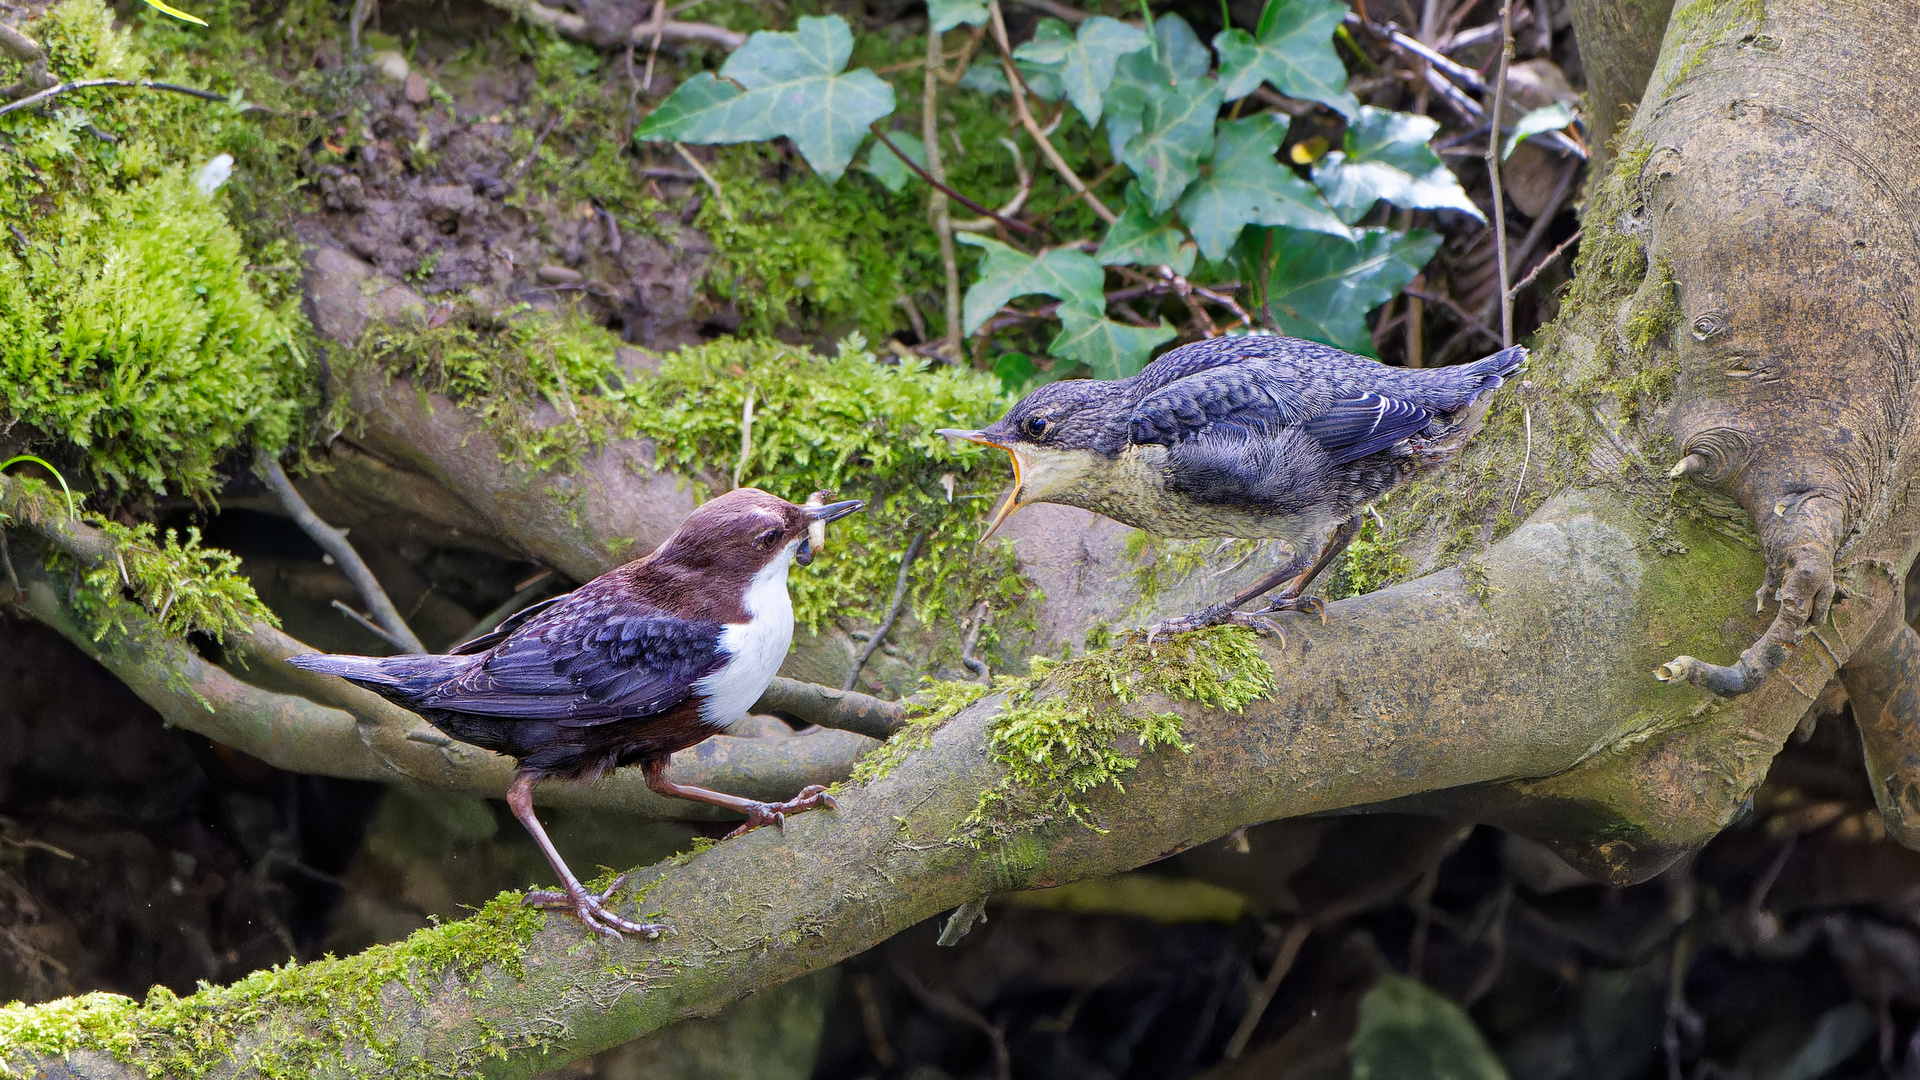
x: 1012, y: 500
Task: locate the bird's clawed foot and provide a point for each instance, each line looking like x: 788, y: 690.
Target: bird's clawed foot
x: 592, y: 910
x: 1217, y: 615
x: 1306, y: 605
x: 760, y: 813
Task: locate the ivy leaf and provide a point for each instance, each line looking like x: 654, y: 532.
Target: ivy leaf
x: 1538, y: 122
x: 1084, y: 62
x: 1407, y: 1030
x: 985, y: 76
x: 1246, y: 186
x: 1387, y: 157
x: 1293, y: 50
x: 1142, y: 238
x: 789, y: 84
x: 1067, y: 274
x: 947, y: 14
x: 1321, y: 287
x: 885, y: 166
x: 1176, y: 127
x: 1176, y: 57
x: 1113, y: 350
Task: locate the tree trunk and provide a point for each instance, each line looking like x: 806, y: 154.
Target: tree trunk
x: 1744, y: 305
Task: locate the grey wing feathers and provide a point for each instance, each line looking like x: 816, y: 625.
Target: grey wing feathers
x: 580, y: 673
x: 1356, y: 427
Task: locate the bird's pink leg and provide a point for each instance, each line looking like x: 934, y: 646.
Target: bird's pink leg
x: 573, y: 897
x: 1291, y: 598
x: 757, y: 813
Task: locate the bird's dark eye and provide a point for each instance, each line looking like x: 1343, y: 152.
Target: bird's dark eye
x: 1036, y: 427
x: 768, y: 538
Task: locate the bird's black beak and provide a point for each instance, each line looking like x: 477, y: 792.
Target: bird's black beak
x: 834, y: 511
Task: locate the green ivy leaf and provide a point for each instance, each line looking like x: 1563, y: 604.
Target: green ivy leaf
x: 1408, y: 1031
x: 1321, y: 287
x: 1083, y: 62
x: 1246, y: 186
x: 947, y: 14
x: 1142, y: 238
x: 1293, y: 51
x: 1538, y: 122
x: 1067, y: 274
x: 1387, y: 157
x: 1176, y: 128
x: 885, y: 166
x: 1113, y: 350
x: 1177, y: 57
x: 777, y: 84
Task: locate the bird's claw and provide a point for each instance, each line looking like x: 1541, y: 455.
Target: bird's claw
x: 1305, y: 605
x: 1218, y: 614
x: 758, y: 814
x: 592, y: 911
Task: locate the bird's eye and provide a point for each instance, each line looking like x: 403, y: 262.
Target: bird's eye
x: 768, y: 538
x: 1036, y: 427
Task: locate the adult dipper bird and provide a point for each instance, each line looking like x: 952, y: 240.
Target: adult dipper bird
x: 641, y: 661
x: 1249, y: 437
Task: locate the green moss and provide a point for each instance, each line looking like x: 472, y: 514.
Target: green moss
x: 852, y: 422
x: 937, y: 702
x: 1371, y: 563
x: 131, y: 325
x: 184, y: 586
x: 1065, y: 728
x: 340, y: 1003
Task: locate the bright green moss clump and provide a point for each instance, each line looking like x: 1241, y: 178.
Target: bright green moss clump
x: 854, y: 423
x: 339, y: 1002
x: 130, y: 324
x: 1059, y: 745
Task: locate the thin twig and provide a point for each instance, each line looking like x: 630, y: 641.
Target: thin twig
x: 1548, y: 261
x: 334, y: 542
x: 746, y: 435
x: 1013, y: 205
x: 521, y: 165
x: 719, y: 196
x: 6, y: 557
x: 970, y: 641
x: 1016, y: 226
x: 952, y: 1007
x: 513, y: 605
x: 1289, y: 951
x: 1525, y: 460
x: 937, y: 198
x: 144, y: 84
x: 372, y: 627
x: 1014, y: 80
x: 1493, y: 173
x: 653, y: 49
x: 893, y: 610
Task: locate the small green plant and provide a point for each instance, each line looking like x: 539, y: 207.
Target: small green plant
x: 1203, y: 185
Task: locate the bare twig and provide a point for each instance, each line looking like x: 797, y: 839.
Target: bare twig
x: 893, y: 609
x: 355, y: 20
x: 746, y: 435
x: 1493, y: 173
x: 1014, y: 204
x: 566, y: 22
x: 937, y: 198
x: 334, y: 542
x: 659, y: 27
x: 950, y: 1006
x: 533, y: 590
x: 970, y: 641
x: 373, y: 628
x: 713, y: 185
x: 534, y: 151
x: 1525, y: 460
x: 1296, y: 936
x: 1027, y: 121
x: 842, y: 710
x: 1010, y: 223
x: 1548, y: 261
x: 144, y: 84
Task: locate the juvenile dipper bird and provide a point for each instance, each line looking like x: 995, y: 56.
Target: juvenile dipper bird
x: 1249, y: 437
x: 641, y: 661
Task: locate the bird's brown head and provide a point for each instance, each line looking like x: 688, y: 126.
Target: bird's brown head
x: 1052, y: 436
x: 747, y: 529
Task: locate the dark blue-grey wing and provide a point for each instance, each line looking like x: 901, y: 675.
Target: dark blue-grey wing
x: 1243, y: 394
x: 584, y: 671
x: 474, y: 646
x: 1367, y: 424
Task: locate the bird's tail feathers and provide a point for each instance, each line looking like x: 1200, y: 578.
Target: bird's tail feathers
x: 399, y: 674
x: 1493, y: 373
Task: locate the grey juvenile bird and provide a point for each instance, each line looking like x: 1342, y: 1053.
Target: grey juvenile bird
x: 1250, y: 437
x: 642, y: 661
